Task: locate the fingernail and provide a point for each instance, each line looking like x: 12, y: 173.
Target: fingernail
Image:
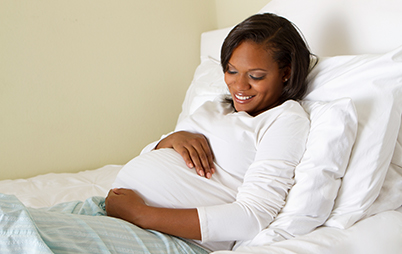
x: 201, y: 173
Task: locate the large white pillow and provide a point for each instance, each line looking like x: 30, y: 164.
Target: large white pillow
x: 374, y: 82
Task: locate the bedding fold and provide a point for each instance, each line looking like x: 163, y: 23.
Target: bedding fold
x: 78, y: 227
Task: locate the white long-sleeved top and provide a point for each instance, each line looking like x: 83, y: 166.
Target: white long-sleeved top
x: 255, y: 158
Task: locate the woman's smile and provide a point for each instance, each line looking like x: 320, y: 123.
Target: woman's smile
x: 242, y: 98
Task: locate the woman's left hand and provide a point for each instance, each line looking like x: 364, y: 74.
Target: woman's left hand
x: 125, y: 204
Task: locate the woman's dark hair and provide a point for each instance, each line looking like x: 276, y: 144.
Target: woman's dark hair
x: 282, y: 38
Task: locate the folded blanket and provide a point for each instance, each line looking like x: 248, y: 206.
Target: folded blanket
x: 78, y: 227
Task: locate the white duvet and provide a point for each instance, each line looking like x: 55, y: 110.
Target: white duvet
x: 381, y: 233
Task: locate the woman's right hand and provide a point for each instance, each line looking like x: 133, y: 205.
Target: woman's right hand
x: 195, y: 150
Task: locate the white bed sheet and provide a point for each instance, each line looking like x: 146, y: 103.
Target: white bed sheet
x: 381, y: 233
x: 50, y: 189
x: 378, y: 234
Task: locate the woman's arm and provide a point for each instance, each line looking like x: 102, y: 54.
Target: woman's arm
x: 128, y: 205
x: 194, y: 148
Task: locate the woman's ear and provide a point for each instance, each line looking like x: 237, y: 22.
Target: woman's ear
x: 287, y: 71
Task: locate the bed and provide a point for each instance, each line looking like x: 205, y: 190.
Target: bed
x: 347, y: 196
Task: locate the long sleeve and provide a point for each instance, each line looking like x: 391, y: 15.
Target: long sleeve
x: 152, y: 145
x: 265, y: 186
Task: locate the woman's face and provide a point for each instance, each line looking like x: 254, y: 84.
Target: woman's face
x: 254, y: 78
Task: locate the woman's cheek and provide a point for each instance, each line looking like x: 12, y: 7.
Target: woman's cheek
x: 228, y: 80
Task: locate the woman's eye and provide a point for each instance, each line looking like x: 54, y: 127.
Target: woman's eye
x: 231, y: 72
x: 257, y: 77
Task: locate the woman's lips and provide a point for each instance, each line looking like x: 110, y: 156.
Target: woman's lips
x: 242, y: 98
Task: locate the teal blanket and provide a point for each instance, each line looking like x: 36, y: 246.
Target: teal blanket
x: 78, y: 227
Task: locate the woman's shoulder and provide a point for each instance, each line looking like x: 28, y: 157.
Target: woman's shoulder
x: 288, y: 108
x: 294, y: 107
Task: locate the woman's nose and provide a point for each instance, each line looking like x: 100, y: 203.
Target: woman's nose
x: 242, y: 83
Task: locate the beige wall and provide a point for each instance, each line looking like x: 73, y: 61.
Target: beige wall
x: 231, y: 12
x: 89, y: 83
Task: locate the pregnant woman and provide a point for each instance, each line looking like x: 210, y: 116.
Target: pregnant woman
x: 223, y: 175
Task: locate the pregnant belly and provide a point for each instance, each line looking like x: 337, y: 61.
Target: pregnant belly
x: 162, y: 179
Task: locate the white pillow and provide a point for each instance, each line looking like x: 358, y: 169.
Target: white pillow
x: 211, y: 43
x: 208, y: 83
x: 390, y: 197
x: 374, y: 82
x: 318, y: 176
x: 334, y: 27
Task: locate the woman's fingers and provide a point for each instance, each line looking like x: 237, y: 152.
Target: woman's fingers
x: 195, y: 150
x: 185, y: 154
x: 197, y: 156
x: 191, y: 158
x: 209, y: 160
x: 204, y: 157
